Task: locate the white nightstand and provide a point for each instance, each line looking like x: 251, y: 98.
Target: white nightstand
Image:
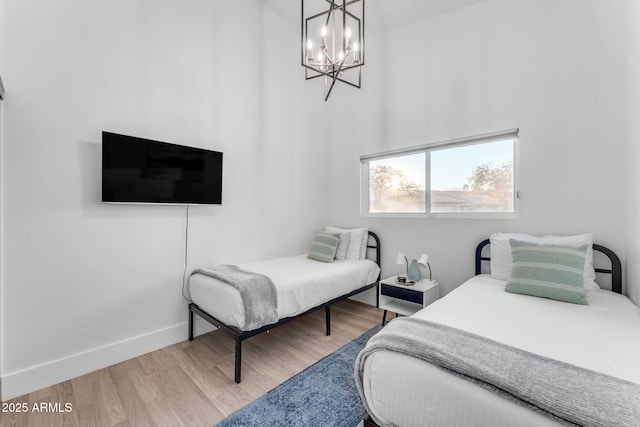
x: 406, y: 299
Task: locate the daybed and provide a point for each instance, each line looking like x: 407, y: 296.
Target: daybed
x: 549, y: 358
x: 300, y: 286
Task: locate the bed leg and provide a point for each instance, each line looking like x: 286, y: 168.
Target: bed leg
x: 190, y: 324
x: 238, y: 359
x: 368, y: 422
x: 384, y: 317
x: 327, y: 311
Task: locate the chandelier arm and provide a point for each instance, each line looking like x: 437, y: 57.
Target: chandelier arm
x: 329, y: 14
x: 349, y: 83
x: 336, y: 74
x: 326, y: 55
x: 332, y: 61
x: 344, y: 26
x: 352, y: 16
x: 330, y: 11
x: 321, y: 74
x: 326, y: 98
x: 347, y: 4
x: 329, y: 74
x: 318, y: 15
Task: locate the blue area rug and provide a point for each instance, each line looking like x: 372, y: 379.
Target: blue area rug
x: 324, y: 394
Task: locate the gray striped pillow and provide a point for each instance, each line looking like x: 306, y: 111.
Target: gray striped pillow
x: 324, y: 246
x: 547, y: 271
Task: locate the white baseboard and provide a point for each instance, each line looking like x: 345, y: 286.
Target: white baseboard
x: 367, y: 297
x: 35, y: 378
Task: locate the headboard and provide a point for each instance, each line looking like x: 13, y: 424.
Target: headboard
x: 615, y: 270
x: 374, y: 246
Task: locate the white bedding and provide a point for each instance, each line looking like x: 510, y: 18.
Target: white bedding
x: 602, y: 336
x: 301, y: 284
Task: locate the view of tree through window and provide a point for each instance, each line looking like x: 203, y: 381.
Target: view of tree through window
x: 396, y: 184
x: 473, y: 178
x: 462, y: 179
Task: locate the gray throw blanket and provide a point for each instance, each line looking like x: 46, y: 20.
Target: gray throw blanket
x: 257, y: 291
x: 569, y: 394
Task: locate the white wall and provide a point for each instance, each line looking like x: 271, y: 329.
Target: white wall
x: 632, y: 137
x: 85, y: 285
x: 556, y: 69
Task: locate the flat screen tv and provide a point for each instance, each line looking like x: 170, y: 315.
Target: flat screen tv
x: 137, y: 170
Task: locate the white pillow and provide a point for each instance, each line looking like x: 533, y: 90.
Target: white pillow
x: 358, y: 238
x: 365, y: 242
x: 341, y: 253
x: 501, y: 253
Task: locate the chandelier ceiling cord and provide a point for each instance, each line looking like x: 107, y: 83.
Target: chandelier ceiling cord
x: 333, y: 42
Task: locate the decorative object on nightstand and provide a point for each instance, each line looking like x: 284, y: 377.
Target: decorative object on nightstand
x: 414, y: 274
x: 397, y: 297
x: 424, y: 263
x: 403, y: 260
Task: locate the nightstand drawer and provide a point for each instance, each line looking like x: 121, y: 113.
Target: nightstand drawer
x: 401, y: 293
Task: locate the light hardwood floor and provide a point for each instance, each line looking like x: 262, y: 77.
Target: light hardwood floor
x: 191, y: 383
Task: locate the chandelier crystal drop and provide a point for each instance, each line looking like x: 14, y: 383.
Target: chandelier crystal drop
x: 333, y: 41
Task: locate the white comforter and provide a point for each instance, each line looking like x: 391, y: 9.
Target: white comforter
x: 301, y: 284
x: 603, y: 336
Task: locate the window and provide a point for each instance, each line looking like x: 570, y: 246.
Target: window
x: 466, y: 177
x: 396, y: 184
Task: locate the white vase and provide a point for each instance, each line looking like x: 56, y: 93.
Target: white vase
x: 414, y: 273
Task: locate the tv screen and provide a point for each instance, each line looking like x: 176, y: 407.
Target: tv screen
x: 137, y: 170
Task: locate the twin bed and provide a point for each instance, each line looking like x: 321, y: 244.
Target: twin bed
x: 479, y: 356
x: 574, y: 364
x: 301, y: 285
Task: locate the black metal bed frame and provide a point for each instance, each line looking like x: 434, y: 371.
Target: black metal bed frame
x: 615, y: 270
x: 240, y: 335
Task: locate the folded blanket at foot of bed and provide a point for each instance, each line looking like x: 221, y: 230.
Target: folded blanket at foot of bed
x: 569, y: 394
x: 257, y: 291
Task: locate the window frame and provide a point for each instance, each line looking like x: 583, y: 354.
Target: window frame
x: 365, y: 160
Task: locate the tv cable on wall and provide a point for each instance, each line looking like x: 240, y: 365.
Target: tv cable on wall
x: 186, y: 258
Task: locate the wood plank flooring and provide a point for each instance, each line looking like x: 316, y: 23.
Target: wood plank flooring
x: 191, y: 383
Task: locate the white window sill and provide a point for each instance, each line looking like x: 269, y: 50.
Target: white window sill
x: 442, y: 215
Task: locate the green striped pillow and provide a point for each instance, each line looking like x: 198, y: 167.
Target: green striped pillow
x: 324, y: 246
x: 547, y: 271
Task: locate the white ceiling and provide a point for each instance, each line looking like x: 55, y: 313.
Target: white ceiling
x: 381, y: 15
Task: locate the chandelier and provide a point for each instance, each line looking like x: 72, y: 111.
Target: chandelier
x: 333, y: 42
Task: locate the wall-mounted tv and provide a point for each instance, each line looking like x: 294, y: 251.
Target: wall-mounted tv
x: 137, y: 170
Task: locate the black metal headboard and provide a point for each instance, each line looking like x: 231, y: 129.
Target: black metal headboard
x: 615, y: 270
x: 375, y: 246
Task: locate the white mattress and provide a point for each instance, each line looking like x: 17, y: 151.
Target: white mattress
x: 301, y: 284
x: 602, y: 336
